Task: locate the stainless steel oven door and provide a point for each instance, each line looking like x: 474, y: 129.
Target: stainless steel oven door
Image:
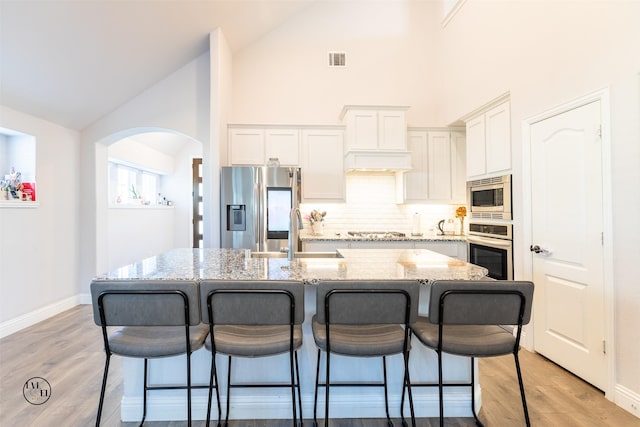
x: 496, y: 255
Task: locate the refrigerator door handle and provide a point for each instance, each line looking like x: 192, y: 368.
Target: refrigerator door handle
x: 258, y: 188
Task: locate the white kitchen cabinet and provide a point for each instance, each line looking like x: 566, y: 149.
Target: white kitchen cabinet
x: 453, y: 249
x: 256, y: 145
x: 456, y: 250
x: 283, y: 144
x: 246, y: 146
x: 382, y: 244
x: 437, y: 167
x: 324, y: 245
x: 322, y: 164
x: 489, y: 142
x: 375, y: 128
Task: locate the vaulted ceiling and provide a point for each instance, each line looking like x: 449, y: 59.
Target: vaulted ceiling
x: 73, y: 61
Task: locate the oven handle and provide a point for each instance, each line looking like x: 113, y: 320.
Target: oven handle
x: 497, y: 243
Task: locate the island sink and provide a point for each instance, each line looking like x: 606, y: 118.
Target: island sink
x: 335, y: 254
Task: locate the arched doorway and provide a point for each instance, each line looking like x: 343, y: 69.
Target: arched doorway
x: 132, y: 224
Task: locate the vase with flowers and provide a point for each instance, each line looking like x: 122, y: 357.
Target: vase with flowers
x: 316, y: 220
x: 461, y: 212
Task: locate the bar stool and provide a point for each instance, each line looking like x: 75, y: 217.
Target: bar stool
x: 466, y: 318
x: 364, y: 319
x: 158, y: 318
x: 253, y: 318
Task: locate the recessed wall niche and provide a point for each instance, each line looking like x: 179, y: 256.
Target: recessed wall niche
x: 17, y: 153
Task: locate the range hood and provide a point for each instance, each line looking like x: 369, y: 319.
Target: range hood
x: 376, y: 138
x: 377, y: 160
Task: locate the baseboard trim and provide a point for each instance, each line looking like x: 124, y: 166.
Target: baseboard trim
x: 28, y: 319
x: 278, y: 406
x: 627, y: 400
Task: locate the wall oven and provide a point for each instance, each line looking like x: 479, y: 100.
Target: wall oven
x: 490, y: 198
x: 491, y: 246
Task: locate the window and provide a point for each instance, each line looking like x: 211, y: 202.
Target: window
x: 128, y: 185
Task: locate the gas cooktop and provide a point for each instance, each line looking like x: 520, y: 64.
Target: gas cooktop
x: 376, y: 234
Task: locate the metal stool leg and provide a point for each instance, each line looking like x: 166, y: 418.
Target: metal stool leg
x: 315, y: 398
x: 326, y: 391
x: 298, y: 387
x: 440, y: 391
x: 226, y: 418
x: 520, y: 382
x: 144, y: 395
x: 473, y: 394
x: 386, y: 394
x: 104, y: 386
x: 293, y: 388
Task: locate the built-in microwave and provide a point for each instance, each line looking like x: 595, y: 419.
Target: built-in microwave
x: 490, y: 198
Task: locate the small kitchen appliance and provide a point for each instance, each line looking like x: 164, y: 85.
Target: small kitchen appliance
x: 490, y: 198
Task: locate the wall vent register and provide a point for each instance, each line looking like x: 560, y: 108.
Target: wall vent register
x: 337, y: 59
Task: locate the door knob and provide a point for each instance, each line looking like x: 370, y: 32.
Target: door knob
x: 539, y: 250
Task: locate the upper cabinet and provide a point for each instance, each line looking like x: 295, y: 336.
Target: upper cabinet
x: 255, y: 145
x: 437, y: 167
x: 375, y: 127
x: 489, y: 142
x: 376, y: 137
x: 322, y: 168
x: 318, y: 150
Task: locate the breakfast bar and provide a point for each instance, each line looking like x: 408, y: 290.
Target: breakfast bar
x: 346, y: 402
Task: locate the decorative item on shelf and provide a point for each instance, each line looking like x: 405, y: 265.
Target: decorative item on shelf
x: 461, y: 212
x: 273, y: 162
x: 415, y: 225
x: 12, y: 187
x: 316, y: 219
x: 135, y: 196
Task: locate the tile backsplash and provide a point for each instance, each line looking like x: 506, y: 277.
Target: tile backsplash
x: 371, y: 206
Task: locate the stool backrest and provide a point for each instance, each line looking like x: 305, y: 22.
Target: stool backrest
x: 252, y: 302
x: 485, y: 302
x: 359, y: 302
x: 145, y: 302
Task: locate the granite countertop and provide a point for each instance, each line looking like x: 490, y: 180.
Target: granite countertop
x: 328, y: 236
x: 356, y: 264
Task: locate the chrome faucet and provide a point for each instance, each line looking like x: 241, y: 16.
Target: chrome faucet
x: 295, y: 224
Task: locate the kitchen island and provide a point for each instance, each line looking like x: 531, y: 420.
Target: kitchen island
x: 349, y: 264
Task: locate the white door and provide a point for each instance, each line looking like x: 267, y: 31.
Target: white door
x: 567, y: 221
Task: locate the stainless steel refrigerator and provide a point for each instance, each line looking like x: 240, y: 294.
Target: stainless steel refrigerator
x: 256, y: 204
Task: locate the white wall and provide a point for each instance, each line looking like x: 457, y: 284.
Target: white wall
x: 284, y: 79
x: 179, y: 103
x: 136, y: 233
x: 132, y: 152
x: 546, y: 54
x: 371, y: 205
x: 216, y: 154
x: 39, y: 246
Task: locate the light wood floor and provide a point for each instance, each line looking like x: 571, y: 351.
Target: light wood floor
x: 67, y: 351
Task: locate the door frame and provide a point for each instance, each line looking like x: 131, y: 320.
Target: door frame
x: 603, y: 96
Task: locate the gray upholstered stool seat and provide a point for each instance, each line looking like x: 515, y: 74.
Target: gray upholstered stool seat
x: 466, y: 318
x: 253, y: 318
x: 148, y: 319
x: 155, y: 341
x: 466, y: 340
x: 254, y: 340
x: 364, y: 318
x: 361, y: 340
